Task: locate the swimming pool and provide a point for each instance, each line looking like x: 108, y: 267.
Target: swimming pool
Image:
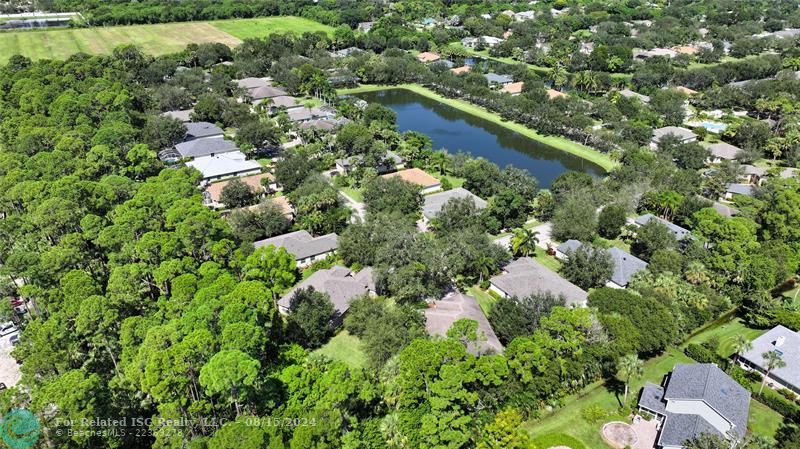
x: 713, y: 127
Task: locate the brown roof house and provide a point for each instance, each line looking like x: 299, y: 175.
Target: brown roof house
x: 419, y: 177
x: 213, y: 193
x: 514, y: 88
x: 427, y: 56
x: 441, y: 314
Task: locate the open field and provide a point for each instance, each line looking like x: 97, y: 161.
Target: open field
x: 560, y: 143
x: 152, y: 39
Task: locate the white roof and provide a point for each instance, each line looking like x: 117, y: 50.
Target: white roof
x: 224, y: 164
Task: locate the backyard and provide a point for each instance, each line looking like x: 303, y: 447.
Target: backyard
x: 344, y: 348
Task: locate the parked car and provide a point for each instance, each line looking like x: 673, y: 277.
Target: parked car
x: 14, y: 339
x: 2, y: 386
x: 22, y: 310
x: 7, y: 328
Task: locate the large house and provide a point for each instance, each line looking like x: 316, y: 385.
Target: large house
x: 722, y: 151
x: 201, y: 147
x: 684, y: 135
x: 259, y: 184
x: 696, y: 399
x: 427, y: 183
x: 201, y: 130
x: 486, y: 41
x: 784, y: 342
x: 524, y: 277
x: 339, y: 283
x: 305, y: 248
x: 441, y: 314
x: 436, y: 201
x: 625, y: 265
x: 216, y: 167
x: 679, y: 232
x: 391, y: 162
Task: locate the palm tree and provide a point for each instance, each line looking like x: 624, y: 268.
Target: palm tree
x: 523, y: 242
x: 629, y: 367
x: 485, y: 265
x: 440, y: 160
x: 668, y: 202
x: 773, y: 361
x: 558, y: 75
x: 696, y: 273
x: 741, y: 345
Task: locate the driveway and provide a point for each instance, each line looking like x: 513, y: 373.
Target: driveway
x: 9, y: 370
x: 545, y: 230
x: 359, y: 208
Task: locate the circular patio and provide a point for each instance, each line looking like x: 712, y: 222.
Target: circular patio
x: 619, y: 434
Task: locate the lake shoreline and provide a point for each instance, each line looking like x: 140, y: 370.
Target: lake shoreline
x: 556, y: 142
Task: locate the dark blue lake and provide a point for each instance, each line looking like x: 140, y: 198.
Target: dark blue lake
x: 456, y: 130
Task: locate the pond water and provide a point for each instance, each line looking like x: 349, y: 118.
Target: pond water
x: 455, y: 130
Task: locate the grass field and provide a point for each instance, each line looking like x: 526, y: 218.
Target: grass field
x: 557, y: 142
x: 152, y: 39
x: 345, y: 348
x: 726, y: 331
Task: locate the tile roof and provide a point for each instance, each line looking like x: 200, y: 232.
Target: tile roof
x: 214, y: 190
x: 462, y: 69
x: 524, y: 277
x: 786, y: 341
x: 427, y: 56
x: 513, y: 88
x: 196, y: 130
x: 339, y: 283
x: 441, y: 314
x: 205, y: 147
x: 301, y: 244
x: 434, y: 202
x: 415, y: 176
x: 553, y: 94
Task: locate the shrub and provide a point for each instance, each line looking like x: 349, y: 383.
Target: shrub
x: 593, y: 413
x: 702, y: 354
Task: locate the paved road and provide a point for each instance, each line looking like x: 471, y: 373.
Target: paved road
x: 544, y: 230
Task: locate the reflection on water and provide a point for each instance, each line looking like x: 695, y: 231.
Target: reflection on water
x: 455, y: 130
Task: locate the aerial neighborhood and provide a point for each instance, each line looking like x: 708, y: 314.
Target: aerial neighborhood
x: 555, y: 224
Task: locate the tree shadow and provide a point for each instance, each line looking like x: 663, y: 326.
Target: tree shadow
x: 617, y: 387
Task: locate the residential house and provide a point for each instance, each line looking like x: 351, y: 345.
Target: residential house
x: 259, y: 184
x: 752, y: 175
x: 282, y: 102
x: 586, y: 48
x: 685, y: 50
x: 513, y: 88
x: 340, y: 284
x: 321, y: 124
x: 552, y: 94
x: 262, y: 93
x: 724, y: 210
x: 656, y: 52
x: 444, y: 63
x: 436, y: 201
x: 524, y: 15
x: 627, y: 93
x: 345, y: 52
x: 785, y: 343
x: 684, y: 135
x: 200, y: 130
x: 498, y: 80
x: 508, y: 13
x: 427, y: 183
x: 696, y: 399
x: 486, y: 41
x: 737, y: 189
x: 364, y: 27
x: 300, y: 115
x: 427, y: 57
x: 282, y: 203
x: 680, y: 233
x: 722, y: 151
x: 625, y: 265
x: 226, y: 165
x: 199, y: 148
x: 184, y: 115
x: 391, y: 162
x: 305, y: 248
x: 441, y: 314
x: 251, y: 84
x: 462, y: 69
x: 525, y: 276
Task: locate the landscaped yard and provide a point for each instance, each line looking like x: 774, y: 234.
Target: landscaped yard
x: 354, y: 194
x: 763, y: 420
x: 156, y: 39
x: 568, y: 419
x: 726, y: 331
x: 344, y: 348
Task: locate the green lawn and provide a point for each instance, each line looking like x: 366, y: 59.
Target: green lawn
x: 264, y: 26
x: 353, y: 193
x: 763, y: 420
x: 726, y: 331
x: 557, y: 439
x: 557, y: 142
x: 485, y: 300
x: 156, y: 39
x: 344, y: 348
x: 568, y: 420
x: 454, y: 181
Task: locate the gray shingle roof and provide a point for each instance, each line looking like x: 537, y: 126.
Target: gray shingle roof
x: 680, y: 428
x: 183, y: 115
x: 524, y: 277
x: 724, y: 150
x: 197, y: 130
x: 267, y: 92
x: 677, y: 131
x: 740, y: 189
x: 679, y: 232
x: 652, y: 398
x: 790, y: 349
x: 444, y: 312
x: 301, y: 244
x: 499, y: 79
x: 570, y: 245
x: 706, y: 382
x: 205, y: 147
x: 339, y: 283
x: 434, y: 202
x: 251, y: 83
x: 724, y: 210
x: 625, y: 265
x: 627, y: 93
